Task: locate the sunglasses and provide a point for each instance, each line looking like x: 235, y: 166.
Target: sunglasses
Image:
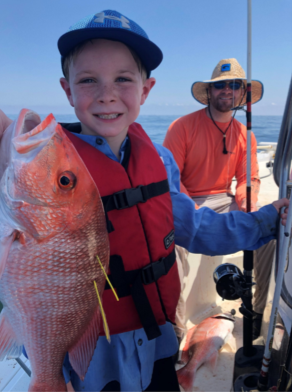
x: 232, y: 85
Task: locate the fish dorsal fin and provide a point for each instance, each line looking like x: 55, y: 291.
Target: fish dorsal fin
x: 10, y: 346
x: 81, y: 354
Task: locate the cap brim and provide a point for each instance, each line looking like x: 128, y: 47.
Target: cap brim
x: 149, y: 53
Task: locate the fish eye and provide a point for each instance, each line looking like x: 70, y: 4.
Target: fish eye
x: 67, y: 180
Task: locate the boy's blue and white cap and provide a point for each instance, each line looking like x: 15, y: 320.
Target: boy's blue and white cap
x: 114, y: 26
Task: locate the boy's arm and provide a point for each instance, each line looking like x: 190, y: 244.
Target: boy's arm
x: 204, y: 231
x: 4, y: 122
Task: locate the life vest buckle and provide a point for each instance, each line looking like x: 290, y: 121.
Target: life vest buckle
x: 129, y: 197
x: 152, y: 272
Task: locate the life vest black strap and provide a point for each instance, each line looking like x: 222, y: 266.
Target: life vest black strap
x: 129, y: 197
x: 144, y: 309
x: 153, y: 271
x: 131, y: 283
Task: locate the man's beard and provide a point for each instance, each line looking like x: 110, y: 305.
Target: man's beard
x: 224, y: 106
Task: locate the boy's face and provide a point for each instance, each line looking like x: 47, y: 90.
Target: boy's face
x: 106, y: 89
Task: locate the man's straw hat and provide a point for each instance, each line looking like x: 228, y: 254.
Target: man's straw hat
x: 228, y: 69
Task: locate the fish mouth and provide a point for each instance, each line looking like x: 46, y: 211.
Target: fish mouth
x: 224, y: 316
x: 26, y: 147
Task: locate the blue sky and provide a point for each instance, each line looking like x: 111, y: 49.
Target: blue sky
x: 193, y: 35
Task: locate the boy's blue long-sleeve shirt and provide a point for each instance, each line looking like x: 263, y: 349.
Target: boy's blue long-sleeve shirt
x: 129, y: 358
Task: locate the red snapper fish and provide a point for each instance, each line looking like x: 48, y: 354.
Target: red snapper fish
x: 52, y: 228
x: 202, y: 345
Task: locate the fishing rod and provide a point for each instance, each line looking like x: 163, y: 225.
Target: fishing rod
x: 230, y: 282
x: 248, y: 350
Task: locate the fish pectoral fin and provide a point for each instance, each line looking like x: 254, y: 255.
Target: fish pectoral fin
x: 212, y: 361
x: 230, y: 344
x: 81, y: 354
x: 10, y: 346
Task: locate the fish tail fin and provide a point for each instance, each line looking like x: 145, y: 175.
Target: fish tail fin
x: 186, y: 377
x: 10, y: 346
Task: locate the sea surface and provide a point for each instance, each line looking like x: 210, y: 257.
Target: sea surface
x: 265, y: 128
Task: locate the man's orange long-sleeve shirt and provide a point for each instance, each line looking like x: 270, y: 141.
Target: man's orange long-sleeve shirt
x: 197, y: 147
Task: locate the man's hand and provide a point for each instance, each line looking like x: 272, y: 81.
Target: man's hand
x: 4, y: 122
x: 253, y: 206
x: 278, y: 204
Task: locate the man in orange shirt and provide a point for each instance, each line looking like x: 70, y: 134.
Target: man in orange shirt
x: 209, y: 147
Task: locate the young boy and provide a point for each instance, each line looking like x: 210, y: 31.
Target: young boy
x: 107, y: 60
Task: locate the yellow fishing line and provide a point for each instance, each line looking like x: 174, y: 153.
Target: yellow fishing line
x: 109, y: 282
x: 106, y: 330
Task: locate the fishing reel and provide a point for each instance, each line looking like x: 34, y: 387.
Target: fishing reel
x: 231, y: 284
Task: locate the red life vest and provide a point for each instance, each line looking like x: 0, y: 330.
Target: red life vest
x: 142, y: 264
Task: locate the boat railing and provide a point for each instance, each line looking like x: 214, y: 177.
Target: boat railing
x: 281, y: 171
x: 282, y: 164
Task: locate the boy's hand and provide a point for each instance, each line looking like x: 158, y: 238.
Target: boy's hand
x: 278, y: 204
x: 4, y: 122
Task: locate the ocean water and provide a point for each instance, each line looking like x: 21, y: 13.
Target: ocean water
x: 265, y: 128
